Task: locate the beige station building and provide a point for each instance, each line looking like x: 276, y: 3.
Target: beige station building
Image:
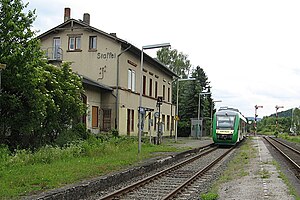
x: 111, y: 73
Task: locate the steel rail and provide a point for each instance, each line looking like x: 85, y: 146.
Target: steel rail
x: 148, y: 179
x: 285, y: 155
x: 287, y: 146
x: 196, y: 176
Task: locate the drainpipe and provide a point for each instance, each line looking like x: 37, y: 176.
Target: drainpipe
x: 117, y: 88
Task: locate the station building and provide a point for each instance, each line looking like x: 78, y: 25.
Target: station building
x: 111, y: 72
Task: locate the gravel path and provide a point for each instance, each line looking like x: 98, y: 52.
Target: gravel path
x: 263, y: 181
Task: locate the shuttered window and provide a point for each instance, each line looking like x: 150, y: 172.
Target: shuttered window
x: 95, y: 116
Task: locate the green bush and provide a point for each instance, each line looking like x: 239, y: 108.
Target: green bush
x: 184, y: 129
x: 77, y: 132
x: 4, y: 153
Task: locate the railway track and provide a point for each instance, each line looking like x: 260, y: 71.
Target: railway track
x: 289, y: 153
x: 174, y: 181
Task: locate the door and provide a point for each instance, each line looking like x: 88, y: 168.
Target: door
x: 56, y: 49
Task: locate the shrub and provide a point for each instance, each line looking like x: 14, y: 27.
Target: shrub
x: 4, y: 153
x: 77, y: 132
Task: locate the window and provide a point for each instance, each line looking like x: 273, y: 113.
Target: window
x: 74, y: 43
x: 106, y: 119
x: 163, y: 120
x: 156, y: 89
x: 93, y: 42
x: 131, y: 80
x: 164, y: 92
x: 95, y: 117
x: 168, y: 122
x: 149, y: 121
x: 130, y: 121
x: 168, y: 94
x: 150, y: 87
x: 57, y: 52
x: 172, y: 123
x: 144, y: 85
x: 225, y: 121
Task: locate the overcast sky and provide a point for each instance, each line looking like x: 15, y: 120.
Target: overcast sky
x: 249, y: 49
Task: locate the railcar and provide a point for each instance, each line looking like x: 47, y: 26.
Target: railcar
x: 229, y: 126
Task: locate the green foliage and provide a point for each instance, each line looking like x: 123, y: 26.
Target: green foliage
x: 25, y: 172
x: 38, y: 101
x: 276, y: 133
x: 175, y: 61
x: 184, y: 128
x: 78, y: 132
x: 209, y: 196
x: 189, y: 90
x: 115, y: 132
x: 268, y: 124
x: 291, y: 138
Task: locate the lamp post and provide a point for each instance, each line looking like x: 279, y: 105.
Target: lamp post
x: 2, y: 66
x: 211, y: 114
x: 176, y: 120
x: 199, y: 110
x: 154, y: 46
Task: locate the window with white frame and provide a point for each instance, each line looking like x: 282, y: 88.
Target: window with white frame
x: 74, y: 43
x: 93, y: 42
x: 131, y: 80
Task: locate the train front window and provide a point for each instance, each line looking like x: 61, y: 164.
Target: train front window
x: 225, y: 122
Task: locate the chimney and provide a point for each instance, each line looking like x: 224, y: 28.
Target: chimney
x: 67, y: 15
x: 86, y: 18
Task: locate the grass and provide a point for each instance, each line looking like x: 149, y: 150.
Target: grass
x: 290, y: 138
x: 291, y: 188
x: 264, y: 174
x: 234, y: 170
x: 26, y: 173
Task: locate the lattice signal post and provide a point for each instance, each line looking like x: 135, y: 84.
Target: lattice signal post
x: 255, y: 117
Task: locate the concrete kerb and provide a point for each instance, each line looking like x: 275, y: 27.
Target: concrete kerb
x: 87, y: 188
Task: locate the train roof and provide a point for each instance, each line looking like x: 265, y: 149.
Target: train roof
x: 233, y: 111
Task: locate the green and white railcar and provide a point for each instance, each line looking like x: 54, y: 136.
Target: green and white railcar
x: 229, y: 126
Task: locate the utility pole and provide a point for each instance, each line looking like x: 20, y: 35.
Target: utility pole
x: 255, y: 117
x: 277, y: 107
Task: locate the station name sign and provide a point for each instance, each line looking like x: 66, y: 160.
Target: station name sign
x: 106, y: 56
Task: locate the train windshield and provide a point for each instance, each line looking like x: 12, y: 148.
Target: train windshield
x: 225, y: 122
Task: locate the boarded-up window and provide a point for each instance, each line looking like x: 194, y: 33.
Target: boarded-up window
x: 106, y: 119
x: 95, y: 116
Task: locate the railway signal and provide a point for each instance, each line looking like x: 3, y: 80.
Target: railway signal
x: 255, y: 117
x: 277, y: 107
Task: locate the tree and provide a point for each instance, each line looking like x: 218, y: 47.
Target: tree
x: 34, y: 96
x: 189, y: 90
x: 175, y: 61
